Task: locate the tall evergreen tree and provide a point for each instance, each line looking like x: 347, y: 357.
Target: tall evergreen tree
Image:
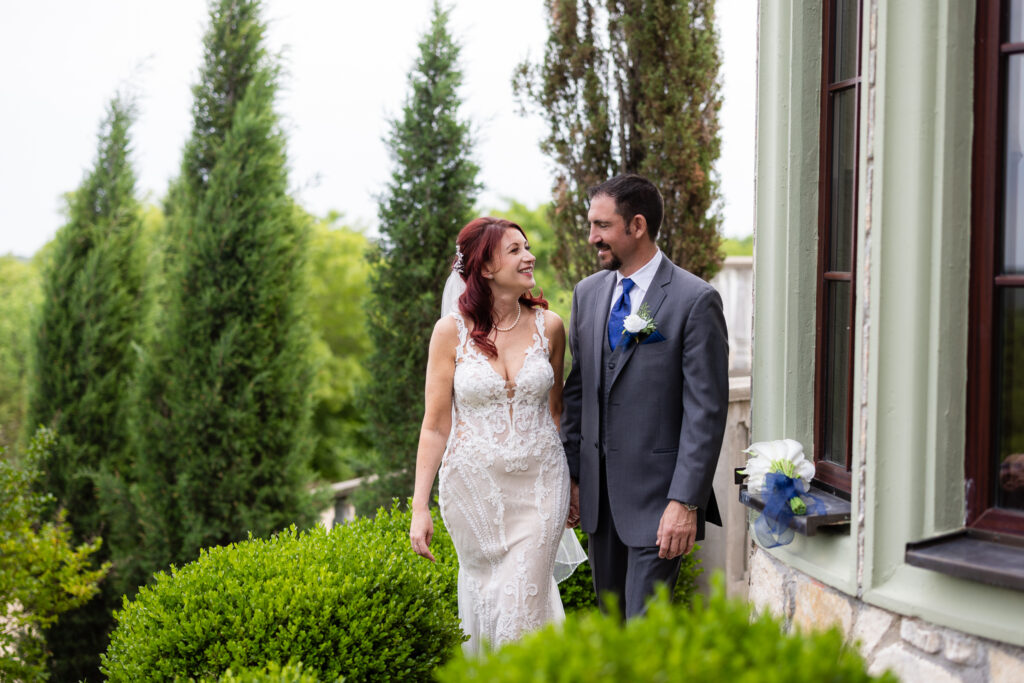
x: 224, y: 437
x: 632, y: 88
x: 89, y: 320
x: 428, y: 200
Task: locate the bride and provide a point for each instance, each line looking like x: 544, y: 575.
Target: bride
x: 490, y: 435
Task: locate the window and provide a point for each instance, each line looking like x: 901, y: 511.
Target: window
x: 995, y: 420
x: 837, y: 239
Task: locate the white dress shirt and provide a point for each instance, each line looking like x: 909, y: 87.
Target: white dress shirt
x: 641, y: 283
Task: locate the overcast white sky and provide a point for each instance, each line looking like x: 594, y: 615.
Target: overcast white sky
x: 346, y: 62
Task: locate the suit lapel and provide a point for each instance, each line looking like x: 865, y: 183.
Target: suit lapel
x: 600, y: 331
x: 654, y: 298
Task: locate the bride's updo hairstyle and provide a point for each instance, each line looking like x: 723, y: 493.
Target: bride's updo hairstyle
x: 478, y: 243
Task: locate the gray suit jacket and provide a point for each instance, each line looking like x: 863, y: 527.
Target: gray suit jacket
x: 665, y: 403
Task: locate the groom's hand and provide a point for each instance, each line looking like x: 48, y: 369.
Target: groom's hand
x: 677, y: 531
x: 574, y: 506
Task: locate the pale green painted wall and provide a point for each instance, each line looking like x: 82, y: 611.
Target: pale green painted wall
x: 910, y: 355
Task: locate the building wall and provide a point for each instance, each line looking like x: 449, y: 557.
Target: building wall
x: 911, y: 316
x: 913, y: 648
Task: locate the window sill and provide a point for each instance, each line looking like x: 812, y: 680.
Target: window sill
x: 836, y: 516
x: 985, y: 557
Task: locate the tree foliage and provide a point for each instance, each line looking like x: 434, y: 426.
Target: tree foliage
x: 631, y: 87
x: 223, y: 423
x: 43, y: 574
x: 89, y: 319
x: 20, y: 295
x: 428, y: 200
x: 337, y: 297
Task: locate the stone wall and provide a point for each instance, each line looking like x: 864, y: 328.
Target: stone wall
x: 913, y: 649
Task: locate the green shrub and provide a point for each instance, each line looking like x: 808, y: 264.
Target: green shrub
x: 43, y: 574
x: 354, y: 601
x: 715, y: 640
x: 272, y: 673
x: 577, y: 591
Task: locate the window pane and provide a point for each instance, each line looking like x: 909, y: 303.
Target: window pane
x: 844, y: 136
x: 837, y: 364
x: 1016, y: 32
x: 845, y: 27
x: 1013, y: 183
x: 1009, y: 460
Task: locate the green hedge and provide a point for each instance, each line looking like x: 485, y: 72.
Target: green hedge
x: 716, y: 640
x: 272, y: 673
x: 577, y: 591
x: 354, y: 602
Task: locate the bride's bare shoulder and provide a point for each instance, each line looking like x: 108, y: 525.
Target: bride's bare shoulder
x: 552, y: 320
x: 446, y: 329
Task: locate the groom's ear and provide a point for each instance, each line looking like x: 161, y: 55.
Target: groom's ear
x: 639, y: 225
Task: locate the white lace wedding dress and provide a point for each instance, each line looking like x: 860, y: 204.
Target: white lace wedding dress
x: 504, y: 493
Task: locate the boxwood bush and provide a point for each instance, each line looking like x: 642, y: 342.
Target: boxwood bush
x: 354, y: 602
x: 577, y: 591
x: 715, y: 640
x: 272, y: 673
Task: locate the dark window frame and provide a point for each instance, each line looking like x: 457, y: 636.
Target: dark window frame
x: 987, y: 193
x: 827, y: 472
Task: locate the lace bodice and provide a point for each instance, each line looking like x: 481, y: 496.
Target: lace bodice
x: 488, y: 407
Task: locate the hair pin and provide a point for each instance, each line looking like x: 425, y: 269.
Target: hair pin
x: 458, y: 266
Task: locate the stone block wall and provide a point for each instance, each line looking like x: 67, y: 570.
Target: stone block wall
x: 915, y: 650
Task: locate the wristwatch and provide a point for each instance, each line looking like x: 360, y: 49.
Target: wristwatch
x: 691, y: 508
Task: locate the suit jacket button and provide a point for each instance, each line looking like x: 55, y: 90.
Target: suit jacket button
x: 611, y: 365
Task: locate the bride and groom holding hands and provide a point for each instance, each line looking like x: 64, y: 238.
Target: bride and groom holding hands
x: 626, y: 449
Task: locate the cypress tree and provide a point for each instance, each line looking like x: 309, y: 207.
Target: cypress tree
x: 427, y: 201
x: 224, y: 436
x: 89, y: 319
x: 632, y: 90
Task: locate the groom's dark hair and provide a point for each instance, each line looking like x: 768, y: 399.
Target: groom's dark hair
x: 633, y: 194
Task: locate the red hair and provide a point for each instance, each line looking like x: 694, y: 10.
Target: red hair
x: 479, y: 241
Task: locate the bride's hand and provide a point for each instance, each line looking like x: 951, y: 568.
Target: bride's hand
x: 421, y: 531
x: 574, y: 506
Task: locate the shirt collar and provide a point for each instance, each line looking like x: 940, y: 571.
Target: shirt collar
x: 643, y: 277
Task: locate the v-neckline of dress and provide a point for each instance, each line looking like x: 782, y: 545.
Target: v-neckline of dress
x: 511, y: 385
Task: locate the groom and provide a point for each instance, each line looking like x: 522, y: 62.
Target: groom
x: 645, y: 402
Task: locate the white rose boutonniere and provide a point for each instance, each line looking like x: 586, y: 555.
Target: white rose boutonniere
x: 634, y: 323
x: 639, y: 324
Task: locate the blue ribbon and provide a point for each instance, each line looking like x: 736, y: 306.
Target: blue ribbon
x: 772, y: 527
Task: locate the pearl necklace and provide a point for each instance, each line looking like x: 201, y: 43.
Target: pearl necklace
x: 519, y: 312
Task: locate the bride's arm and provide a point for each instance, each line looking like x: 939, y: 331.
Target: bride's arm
x: 555, y: 331
x: 437, y: 424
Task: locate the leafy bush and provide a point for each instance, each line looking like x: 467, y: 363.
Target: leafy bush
x: 715, y: 640
x: 354, y: 601
x: 577, y: 591
x: 41, y: 574
x: 272, y: 673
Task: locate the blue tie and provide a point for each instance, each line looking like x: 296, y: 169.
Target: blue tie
x: 622, y: 308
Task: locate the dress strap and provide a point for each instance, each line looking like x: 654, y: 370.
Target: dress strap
x: 460, y: 350
x: 539, y: 319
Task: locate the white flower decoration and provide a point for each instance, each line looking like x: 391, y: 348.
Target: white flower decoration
x: 634, y: 324
x: 784, y: 455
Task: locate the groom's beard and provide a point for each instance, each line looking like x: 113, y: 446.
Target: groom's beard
x: 613, y: 262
